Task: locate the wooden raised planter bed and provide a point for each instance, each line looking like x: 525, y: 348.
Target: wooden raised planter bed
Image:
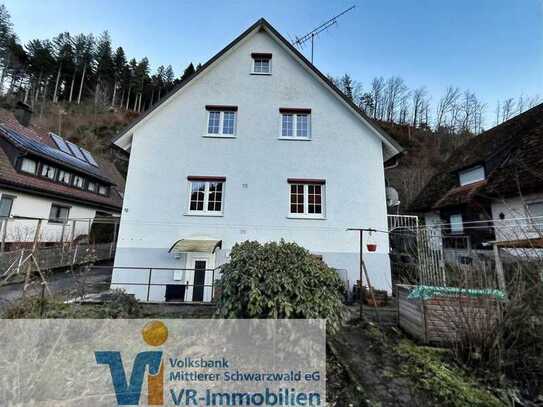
x: 444, y: 319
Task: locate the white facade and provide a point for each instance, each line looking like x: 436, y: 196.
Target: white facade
x: 32, y: 206
x: 519, y: 221
x: 172, y: 144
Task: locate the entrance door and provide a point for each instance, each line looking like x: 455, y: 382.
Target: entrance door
x: 199, y: 280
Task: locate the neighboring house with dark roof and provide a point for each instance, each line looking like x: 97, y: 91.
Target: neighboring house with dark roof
x: 257, y: 145
x: 497, y: 177
x: 44, y: 176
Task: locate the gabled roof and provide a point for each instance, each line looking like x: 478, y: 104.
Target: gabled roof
x: 512, y: 154
x: 12, y: 179
x: 262, y: 24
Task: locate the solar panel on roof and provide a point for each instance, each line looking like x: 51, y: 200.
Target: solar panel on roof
x: 89, y: 157
x: 61, y: 144
x: 51, y: 153
x: 75, y: 150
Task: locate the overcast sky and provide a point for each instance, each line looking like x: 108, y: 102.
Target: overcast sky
x: 492, y: 47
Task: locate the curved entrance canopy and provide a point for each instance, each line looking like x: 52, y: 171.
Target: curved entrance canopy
x: 195, y: 246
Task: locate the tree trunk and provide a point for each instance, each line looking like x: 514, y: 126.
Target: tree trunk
x: 139, y: 103
x: 96, y: 92
x: 81, y: 85
x: 135, y: 103
x: 122, y: 97
x: 27, y: 91
x: 72, y: 86
x: 128, y: 98
x: 43, y: 97
x: 55, y: 98
x: 2, y: 80
x: 114, y: 94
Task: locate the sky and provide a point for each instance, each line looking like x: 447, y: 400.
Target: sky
x: 491, y: 47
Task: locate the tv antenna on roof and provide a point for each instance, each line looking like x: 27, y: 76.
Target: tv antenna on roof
x: 300, y: 41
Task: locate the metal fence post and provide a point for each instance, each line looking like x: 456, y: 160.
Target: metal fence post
x: 149, y: 285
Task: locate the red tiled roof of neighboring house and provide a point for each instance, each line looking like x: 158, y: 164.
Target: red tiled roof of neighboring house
x: 512, y: 154
x: 12, y: 179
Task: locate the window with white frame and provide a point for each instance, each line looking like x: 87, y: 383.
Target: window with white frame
x: 48, y: 171
x: 535, y: 213
x: 221, y: 120
x: 91, y: 186
x: 206, y: 195
x: 295, y: 123
x: 306, y: 198
x: 262, y: 63
x: 6, y: 203
x: 102, y: 190
x: 457, y: 223
x: 64, y: 177
x: 78, y: 181
x: 471, y: 175
x: 59, y: 213
x: 28, y: 165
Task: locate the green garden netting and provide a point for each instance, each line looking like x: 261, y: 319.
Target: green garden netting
x: 426, y: 292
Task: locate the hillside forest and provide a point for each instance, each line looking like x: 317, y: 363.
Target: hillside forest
x: 84, y: 88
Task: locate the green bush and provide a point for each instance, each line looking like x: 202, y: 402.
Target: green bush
x: 279, y: 280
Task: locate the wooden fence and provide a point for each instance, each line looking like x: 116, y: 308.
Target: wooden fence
x: 56, y: 257
x: 445, y: 319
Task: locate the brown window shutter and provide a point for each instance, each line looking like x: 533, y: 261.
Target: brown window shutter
x: 294, y: 110
x: 261, y: 55
x: 222, y: 108
x: 205, y: 178
x: 306, y: 181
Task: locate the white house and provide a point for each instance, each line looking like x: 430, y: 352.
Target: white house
x: 46, y: 179
x: 257, y: 145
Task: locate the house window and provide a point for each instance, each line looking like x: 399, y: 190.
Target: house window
x: 457, y: 224
x: 535, y: 213
x: 471, y: 175
x: 206, y: 195
x: 221, y: 120
x: 64, y: 176
x: 78, y: 181
x: 59, y: 213
x: 102, y: 190
x: 295, y: 124
x: 261, y: 63
x: 91, y: 187
x: 6, y: 203
x: 306, y: 198
x: 48, y: 171
x: 28, y: 165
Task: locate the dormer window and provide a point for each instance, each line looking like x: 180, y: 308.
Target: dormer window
x: 48, y: 171
x: 221, y: 121
x: 28, y: 165
x: 471, y: 175
x: 261, y: 63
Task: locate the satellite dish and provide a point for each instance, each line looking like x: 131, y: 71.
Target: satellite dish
x: 393, y: 198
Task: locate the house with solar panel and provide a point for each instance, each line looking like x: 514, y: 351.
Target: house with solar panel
x: 257, y: 145
x: 43, y: 176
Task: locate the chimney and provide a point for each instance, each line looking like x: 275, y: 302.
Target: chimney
x: 23, y: 113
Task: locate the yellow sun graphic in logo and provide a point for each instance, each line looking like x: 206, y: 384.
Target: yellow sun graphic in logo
x: 155, y: 333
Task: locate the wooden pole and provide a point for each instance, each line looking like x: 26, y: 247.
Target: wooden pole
x: 499, y: 269
x: 4, y: 232
x: 361, y: 273
x: 29, y: 265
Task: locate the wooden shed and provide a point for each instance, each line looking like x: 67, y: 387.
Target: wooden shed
x: 445, y: 318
